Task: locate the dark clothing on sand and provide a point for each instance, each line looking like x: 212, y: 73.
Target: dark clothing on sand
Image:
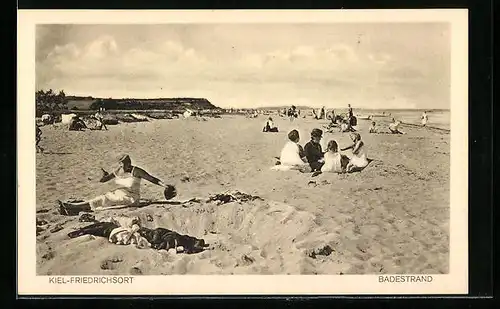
x: 313, y: 154
x: 101, y: 229
x: 161, y: 238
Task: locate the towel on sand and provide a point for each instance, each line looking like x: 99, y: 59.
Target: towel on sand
x: 128, y: 236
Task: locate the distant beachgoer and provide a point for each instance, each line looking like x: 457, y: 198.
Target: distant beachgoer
x: 345, y: 126
x: 349, y: 110
x: 292, y: 153
x: 38, y: 138
x: 128, y: 177
x: 269, y: 127
x: 313, y: 151
x: 315, y: 116
x: 47, y: 119
x: 334, y: 161
x: 322, y: 114
x: 424, y: 118
x: 373, y: 129
x: 358, y: 159
x: 293, y: 113
x: 394, y: 127
x: 331, y: 116
x: 77, y: 124
x: 100, y: 119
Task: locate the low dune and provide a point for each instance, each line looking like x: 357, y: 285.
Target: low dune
x: 393, y: 217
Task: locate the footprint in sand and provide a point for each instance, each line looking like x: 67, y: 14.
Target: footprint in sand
x: 134, y: 271
x: 109, y: 264
x: 48, y: 256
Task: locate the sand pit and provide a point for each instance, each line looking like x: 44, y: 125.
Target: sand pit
x: 390, y: 218
x: 253, y: 237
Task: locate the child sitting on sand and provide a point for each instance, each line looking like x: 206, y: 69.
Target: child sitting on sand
x: 269, y: 127
x: 334, y: 161
x: 394, y: 127
x: 345, y: 126
x: 313, y: 151
x: 372, y: 129
x: 358, y: 160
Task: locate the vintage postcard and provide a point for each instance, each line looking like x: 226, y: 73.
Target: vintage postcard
x: 242, y: 152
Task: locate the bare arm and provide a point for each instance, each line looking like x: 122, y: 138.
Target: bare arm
x: 139, y: 172
x: 356, y: 148
x: 349, y: 147
x: 106, y: 176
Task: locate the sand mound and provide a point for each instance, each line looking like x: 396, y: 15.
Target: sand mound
x: 252, y: 236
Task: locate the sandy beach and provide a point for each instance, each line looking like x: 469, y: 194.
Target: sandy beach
x: 393, y: 217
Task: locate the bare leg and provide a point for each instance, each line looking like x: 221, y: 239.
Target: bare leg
x: 349, y: 167
x: 76, y: 204
x: 69, y: 209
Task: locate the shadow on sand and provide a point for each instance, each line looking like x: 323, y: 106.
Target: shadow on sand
x: 354, y: 170
x: 56, y: 153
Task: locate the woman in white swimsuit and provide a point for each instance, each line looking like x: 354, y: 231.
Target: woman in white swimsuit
x: 358, y: 159
x: 127, y: 177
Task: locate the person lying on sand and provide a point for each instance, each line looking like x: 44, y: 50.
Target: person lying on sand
x: 269, y: 127
x: 372, y: 129
x: 38, y: 138
x: 128, y: 177
x: 358, y: 159
x: 313, y: 151
x: 334, y: 161
x: 394, y: 127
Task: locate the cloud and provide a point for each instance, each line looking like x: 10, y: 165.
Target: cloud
x: 335, y: 72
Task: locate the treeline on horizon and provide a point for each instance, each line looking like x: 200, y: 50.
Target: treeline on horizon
x: 51, y: 102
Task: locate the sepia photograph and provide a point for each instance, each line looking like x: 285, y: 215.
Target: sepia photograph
x: 286, y: 148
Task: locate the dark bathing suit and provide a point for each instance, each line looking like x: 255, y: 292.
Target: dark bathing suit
x: 313, y: 154
x: 101, y: 229
x: 161, y: 238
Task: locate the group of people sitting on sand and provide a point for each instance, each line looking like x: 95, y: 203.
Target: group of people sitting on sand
x: 77, y: 124
x: 344, y: 123
x: 311, y: 158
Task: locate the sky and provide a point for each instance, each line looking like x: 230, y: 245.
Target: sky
x: 378, y: 65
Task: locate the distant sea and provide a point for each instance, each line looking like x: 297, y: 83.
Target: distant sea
x: 436, y: 118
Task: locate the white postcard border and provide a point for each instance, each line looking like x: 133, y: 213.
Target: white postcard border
x: 456, y: 282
